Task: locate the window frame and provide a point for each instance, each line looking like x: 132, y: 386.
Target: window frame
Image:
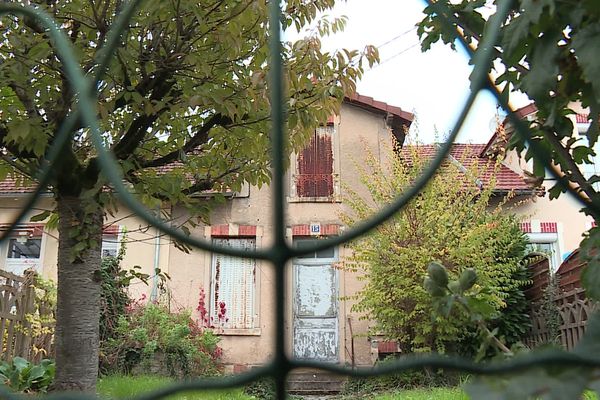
x: 254, y: 328
x: 552, y: 240
x: 335, y: 197
x: 27, y: 231
x: 116, y: 247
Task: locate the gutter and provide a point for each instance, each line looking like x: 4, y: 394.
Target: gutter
x: 154, y: 292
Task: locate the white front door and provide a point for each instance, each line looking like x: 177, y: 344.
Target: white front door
x: 315, y: 321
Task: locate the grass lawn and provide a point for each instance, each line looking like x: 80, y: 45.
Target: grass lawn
x: 425, y: 394
x: 124, y: 387
x: 442, y: 394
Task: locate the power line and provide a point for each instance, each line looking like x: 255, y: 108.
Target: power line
x: 394, y: 56
x: 397, y: 37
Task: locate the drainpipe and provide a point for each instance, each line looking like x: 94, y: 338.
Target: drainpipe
x: 351, y: 342
x: 154, y: 292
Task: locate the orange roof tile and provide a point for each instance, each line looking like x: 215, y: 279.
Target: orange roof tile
x: 375, y: 105
x: 469, y: 156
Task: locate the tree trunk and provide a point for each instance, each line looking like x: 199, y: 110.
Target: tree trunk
x: 78, y: 309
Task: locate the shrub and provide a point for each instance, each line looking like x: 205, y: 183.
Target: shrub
x: 402, y: 381
x: 22, y: 376
x: 41, y: 320
x: 261, y: 389
x: 451, y: 222
x: 114, y: 297
x: 154, y: 339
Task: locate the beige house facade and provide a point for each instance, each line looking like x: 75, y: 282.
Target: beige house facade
x: 237, y: 295
x: 555, y: 227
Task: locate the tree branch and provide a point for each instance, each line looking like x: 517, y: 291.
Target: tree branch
x: 27, y: 102
x: 200, y: 137
x: 138, y: 128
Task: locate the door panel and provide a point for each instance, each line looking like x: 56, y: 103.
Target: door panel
x: 315, y: 312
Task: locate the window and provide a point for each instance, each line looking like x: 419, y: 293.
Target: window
x: 233, y: 286
x: 305, y: 242
x: 24, y: 248
x: 548, y: 247
x: 23, y: 253
x: 314, y: 177
x: 110, y: 245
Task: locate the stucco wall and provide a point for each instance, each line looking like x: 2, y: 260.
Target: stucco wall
x: 565, y: 211
x: 356, y: 131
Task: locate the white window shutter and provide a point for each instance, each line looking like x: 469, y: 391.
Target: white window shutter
x: 233, y: 283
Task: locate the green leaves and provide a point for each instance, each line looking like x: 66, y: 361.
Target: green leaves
x: 543, y: 384
x: 551, y: 382
x: 586, y: 44
x: 550, y: 51
x: 22, y: 376
x: 467, y: 279
x: 590, y: 277
x: 544, y: 70
x: 438, y: 274
x: 425, y: 257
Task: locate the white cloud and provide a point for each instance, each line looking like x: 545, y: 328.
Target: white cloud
x: 434, y: 84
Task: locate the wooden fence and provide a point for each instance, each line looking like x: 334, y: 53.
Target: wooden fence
x: 26, y: 322
x: 570, y: 302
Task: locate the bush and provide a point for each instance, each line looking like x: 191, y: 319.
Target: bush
x: 114, y: 297
x: 22, y: 376
x: 402, y: 381
x: 261, y: 389
x: 451, y: 222
x: 115, y: 281
x: 152, y: 339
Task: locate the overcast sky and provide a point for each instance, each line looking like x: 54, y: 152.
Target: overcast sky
x: 433, y: 85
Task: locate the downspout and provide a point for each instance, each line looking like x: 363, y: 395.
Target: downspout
x: 352, y: 342
x: 154, y: 292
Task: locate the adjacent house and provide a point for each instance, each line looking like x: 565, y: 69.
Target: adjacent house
x: 554, y: 227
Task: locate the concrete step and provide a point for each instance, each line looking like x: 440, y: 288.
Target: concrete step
x: 315, y: 383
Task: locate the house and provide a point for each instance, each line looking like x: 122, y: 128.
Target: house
x: 238, y: 294
x: 319, y: 325
x: 554, y: 227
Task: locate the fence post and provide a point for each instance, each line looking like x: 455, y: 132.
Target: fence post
x: 28, y: 309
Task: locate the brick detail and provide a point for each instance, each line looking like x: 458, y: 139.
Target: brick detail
x: 387, y: 346
x: 326, y: 230
x: 301, y: 230
x: 225, y: 231
x: 330, y: 229
x: 548, y: 227
x: 31, y: 230
x: 525, y: 227
x: 582, y: 118
x: 219, y: 230
x: 247, y: 230
x: 110, y: 229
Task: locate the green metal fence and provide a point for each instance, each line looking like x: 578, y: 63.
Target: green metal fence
x: 280, y: 252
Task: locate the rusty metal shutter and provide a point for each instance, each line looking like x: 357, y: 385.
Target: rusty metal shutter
x: 315, y: 165
x: 233, y: 286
